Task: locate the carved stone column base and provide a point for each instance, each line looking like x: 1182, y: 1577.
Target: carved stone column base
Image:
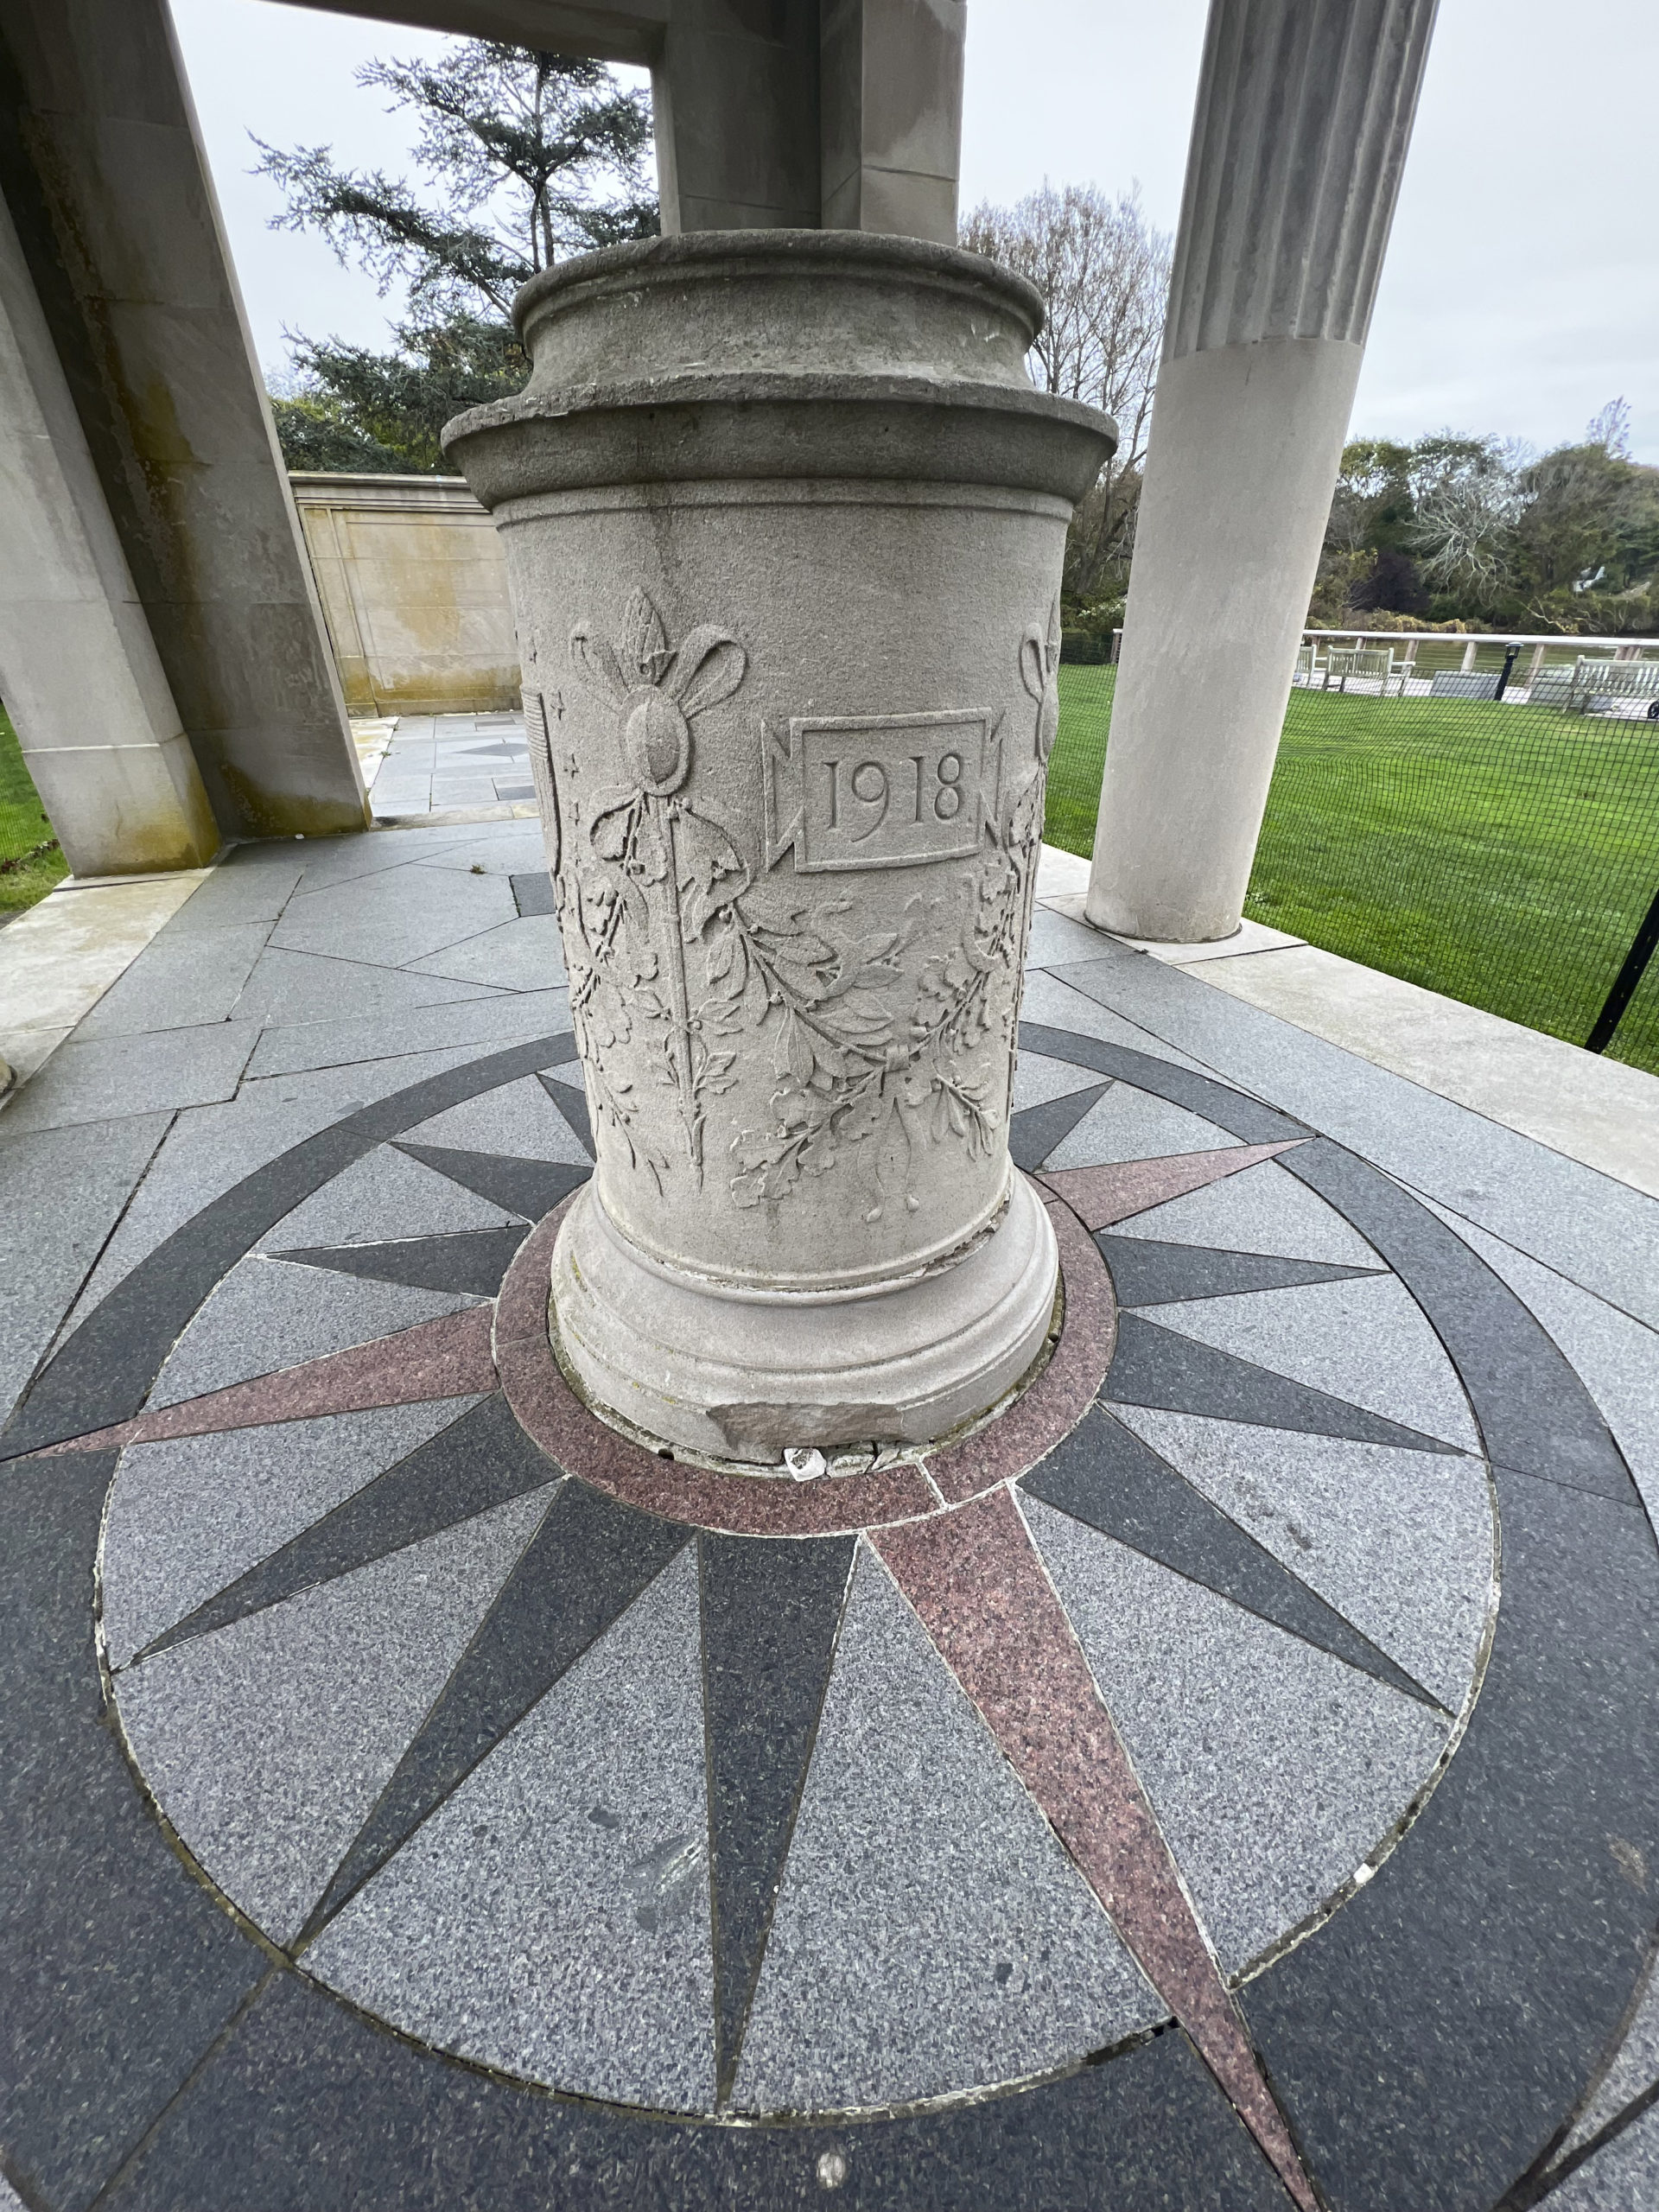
x: 742, y: 1374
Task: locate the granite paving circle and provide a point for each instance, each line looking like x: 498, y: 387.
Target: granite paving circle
x: 1168, y: 1732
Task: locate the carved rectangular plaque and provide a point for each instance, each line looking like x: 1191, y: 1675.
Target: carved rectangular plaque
x: 880, y: 791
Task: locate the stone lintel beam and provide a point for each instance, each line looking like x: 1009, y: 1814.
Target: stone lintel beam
x: 814, y: 114
x: 102, y: 169
x: 1304, y: 114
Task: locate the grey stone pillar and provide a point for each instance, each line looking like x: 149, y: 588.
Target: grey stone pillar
x: 1304, y: 113
x: 891, y: 116
x: 102, y: 169
x: 78, y: 669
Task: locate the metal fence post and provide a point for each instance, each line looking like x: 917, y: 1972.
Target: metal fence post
x: 1511, y: 654
x: 1624, y: 983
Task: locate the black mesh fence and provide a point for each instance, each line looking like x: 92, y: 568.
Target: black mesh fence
x: 1502, y: 850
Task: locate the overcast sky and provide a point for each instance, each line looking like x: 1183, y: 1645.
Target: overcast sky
x: 1521, y: 286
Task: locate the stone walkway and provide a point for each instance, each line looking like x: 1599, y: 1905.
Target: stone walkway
x: 437, y: 762
x: 412, y: 1794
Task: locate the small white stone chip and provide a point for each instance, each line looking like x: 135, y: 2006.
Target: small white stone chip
x: 806, y: 1462
x: 832, y: 2168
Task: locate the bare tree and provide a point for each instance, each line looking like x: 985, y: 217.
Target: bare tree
x: 1103, y: 273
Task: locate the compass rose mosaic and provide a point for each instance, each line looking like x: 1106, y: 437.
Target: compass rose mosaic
x: 1093, y: 1808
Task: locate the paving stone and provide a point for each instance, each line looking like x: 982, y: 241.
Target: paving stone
x: 1035, y: 1131
x: 252, y: 883
x: 519, y: 1120
x: 59, y: 1198
x: 308, y: 2107
x: 1365, y: 1340
x: 552, y: 1918
x: 770, y: 1612
x: 116, y: 1969
x: 1154, y: 1366
x: 1634, y: 2070
x: 1130, y: 1124
x: 266, y: 1743
x: 110, y: 1078
x: 179, y: 981
x: 349, y: 859
x: 1274, y: 1769
x: 498, y: 1019
x: 384, y: 1195
x: 1534, y: 1412
x: 473, y: 1260
x: 102, y: 1372
x: 187, y: 1517
x: 1046, y: 1000
x: 1614, y: 1355
x: 532, y: 892
x: 930, y: 1934
x: 1439, y: 2030
x: 287, y: 988
x: 1103, y: 1474
x: 209, y: 1149
x: 1056, y: 940
x: 1037, y: 1079
x: 1144, y: 1273
x: 266, y: 1315
x: 1623, y: 2177
x: 1263, y: 1210
x: 396, y: 916
x: 479, y: 1460
x: 524, y: 955
x: 1593, y: 1229
x: 528, y: 1188
x: 1400, y: 1543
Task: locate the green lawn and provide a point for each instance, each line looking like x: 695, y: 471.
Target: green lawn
x: 26, y: 873
x: 1502, y: 854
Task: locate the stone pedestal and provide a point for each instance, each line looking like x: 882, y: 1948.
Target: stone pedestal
x: 784, y: 520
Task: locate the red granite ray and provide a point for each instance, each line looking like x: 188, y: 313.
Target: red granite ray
x: 1062, y: 1394
x: 1103, y: 1195
x: 447, y: 1357
x: 975, y: 1579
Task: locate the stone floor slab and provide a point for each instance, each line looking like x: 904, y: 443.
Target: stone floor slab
x: 500, y: 1018
x: 394, y: 917
x: 930, y: 1934
x: 385, y: 1196
x: 187, y: 1517
x: 524, y: 955
x: 307, y: 1707
x: 518, y: 1121
x: 1400, y: 1543
x: 267, y: 1314
x: 1365, y: 1340
x: 110, y: 1078
x: 552, y: 1918
x: 1263, y: 1210
x: 1274, y: 1770
x: 180, y: 982
x: 288, y: 988
x: 1130, y: 1124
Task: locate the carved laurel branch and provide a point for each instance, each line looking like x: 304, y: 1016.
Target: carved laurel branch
x: 654, y: 875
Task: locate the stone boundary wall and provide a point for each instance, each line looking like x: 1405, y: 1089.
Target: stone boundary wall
x: 414, y: 591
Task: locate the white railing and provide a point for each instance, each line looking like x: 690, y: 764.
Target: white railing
x: 1615, y: 677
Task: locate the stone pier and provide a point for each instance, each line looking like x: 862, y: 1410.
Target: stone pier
x: 787, y: 590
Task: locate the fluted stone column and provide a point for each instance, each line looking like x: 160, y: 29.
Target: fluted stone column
x: 1304, y: 113
x: 784, y: 522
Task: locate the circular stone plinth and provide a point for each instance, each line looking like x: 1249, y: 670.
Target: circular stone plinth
x: 737, y: 1500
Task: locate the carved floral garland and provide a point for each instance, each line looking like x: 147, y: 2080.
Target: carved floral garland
x: 649, y: 875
